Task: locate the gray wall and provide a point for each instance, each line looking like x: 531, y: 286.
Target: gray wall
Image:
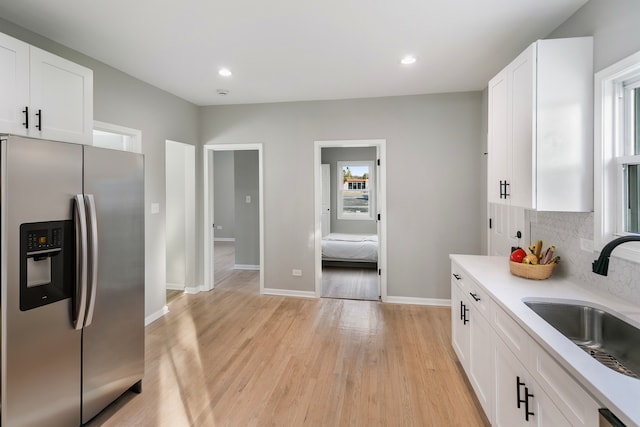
x: 615, y: 27
x: 224, y: 194
x: 433, y: 142
x: 331, y: 156
x: 124, y: 100
x: 247, y: 214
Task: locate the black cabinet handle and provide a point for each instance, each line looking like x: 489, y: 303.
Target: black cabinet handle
x: 503, y: 189
x: 26, y: 117
x: 39, y: 125
x: 527, y: 395
x: 474, y: 296
x: 458, y: 277
x: 465, y: 320
x: 518, y: 384
x: 526, y: 404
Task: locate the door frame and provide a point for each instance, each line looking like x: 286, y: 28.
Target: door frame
x: 209, y: 199
x: 381, y: 149
x: 190, y: 232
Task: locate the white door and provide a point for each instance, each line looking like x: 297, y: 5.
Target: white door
x: 326, y: 200
x: 14, y: 85
x: 61, y: 98
x: 506, y: 222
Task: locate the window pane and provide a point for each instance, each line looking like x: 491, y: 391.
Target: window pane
x: 355, y: 193
x: 632, y: 199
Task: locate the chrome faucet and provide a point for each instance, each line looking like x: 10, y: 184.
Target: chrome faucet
x: 601, y: 265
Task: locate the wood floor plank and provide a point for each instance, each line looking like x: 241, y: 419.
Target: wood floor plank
x: 232, y: 357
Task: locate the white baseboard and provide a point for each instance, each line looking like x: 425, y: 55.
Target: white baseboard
x: 224, y: 239
x: 289, y: 293
x: 246, y: 267
x: 192, y: 289
x: 175, y: 286
x: 155, y: 316
x: 418, y: 301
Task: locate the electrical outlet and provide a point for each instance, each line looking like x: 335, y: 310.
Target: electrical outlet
x: 155, y: 208
x: 296, y: 272
x: 218, y: 227
x: 247, y: 199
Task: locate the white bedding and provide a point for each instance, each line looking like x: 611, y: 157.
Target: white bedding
x: 350, y: 247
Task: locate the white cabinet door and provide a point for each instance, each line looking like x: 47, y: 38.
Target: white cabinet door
x: 61, y: 98
x: 498, y: 145
x: 481, y: 373
x: 459, y: 324
x: 14, y: 85
x: 522, y: 75
x: 520, y: 401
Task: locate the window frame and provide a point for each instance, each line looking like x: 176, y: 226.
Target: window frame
x: 611, y: 130
x: 340, y: 215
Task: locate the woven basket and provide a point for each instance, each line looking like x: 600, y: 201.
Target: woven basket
x: 531, y: 271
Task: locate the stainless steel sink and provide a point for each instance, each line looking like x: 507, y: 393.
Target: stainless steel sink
x: 607, y: 338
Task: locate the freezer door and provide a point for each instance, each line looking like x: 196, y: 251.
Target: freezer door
x: 113, y: 337
x: 40, y: 348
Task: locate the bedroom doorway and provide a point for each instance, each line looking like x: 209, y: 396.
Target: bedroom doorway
x: 350, y: 219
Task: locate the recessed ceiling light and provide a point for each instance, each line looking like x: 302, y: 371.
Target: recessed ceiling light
x: 224, y: 72
x: 408, y: 60
x: 222, y: 92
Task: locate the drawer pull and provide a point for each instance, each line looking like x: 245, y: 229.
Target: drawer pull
x: 457, y: 276
x: 474, y: 296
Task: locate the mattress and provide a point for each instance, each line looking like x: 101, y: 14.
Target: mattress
x: 350, y: 247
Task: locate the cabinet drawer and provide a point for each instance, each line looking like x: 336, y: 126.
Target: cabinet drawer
x: 478, y: 298
x: 458, y: 277
x: 513, y: 335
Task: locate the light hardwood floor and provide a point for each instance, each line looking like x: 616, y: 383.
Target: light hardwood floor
x: 350, y: 283
x: 231, y: 357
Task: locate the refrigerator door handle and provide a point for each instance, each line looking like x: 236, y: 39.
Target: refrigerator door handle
x: 93, y: 255
x: 80, y: 303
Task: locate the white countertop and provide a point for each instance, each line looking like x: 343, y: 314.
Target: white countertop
x: 617, y: 392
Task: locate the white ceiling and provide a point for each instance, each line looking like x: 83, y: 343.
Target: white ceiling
x: 286, y: 50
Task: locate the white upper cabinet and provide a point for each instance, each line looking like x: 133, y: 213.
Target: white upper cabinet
x: 47, y: 96
x: 540, y: 128
x: 14, y: 85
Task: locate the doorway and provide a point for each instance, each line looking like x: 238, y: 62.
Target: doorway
x: 350, y: 198
x: 233, y: 212
x: 180, y: 218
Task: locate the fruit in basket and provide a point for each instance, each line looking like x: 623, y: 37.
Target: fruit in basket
x: 518, y: 255
x: 530, y: 259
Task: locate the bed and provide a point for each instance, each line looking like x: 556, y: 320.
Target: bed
x: 350, y: 247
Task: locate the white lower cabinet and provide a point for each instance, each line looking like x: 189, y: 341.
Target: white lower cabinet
x: 472, y: 337
x: 519, y: 400
x: 515, y: 380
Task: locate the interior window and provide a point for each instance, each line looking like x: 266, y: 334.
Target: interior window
x: 115, y: 137
x: 355, y: 190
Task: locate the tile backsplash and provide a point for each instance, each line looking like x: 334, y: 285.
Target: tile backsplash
x: 566, y: 231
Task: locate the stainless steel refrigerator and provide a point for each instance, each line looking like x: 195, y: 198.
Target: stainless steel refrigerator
x: 72, y: 275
